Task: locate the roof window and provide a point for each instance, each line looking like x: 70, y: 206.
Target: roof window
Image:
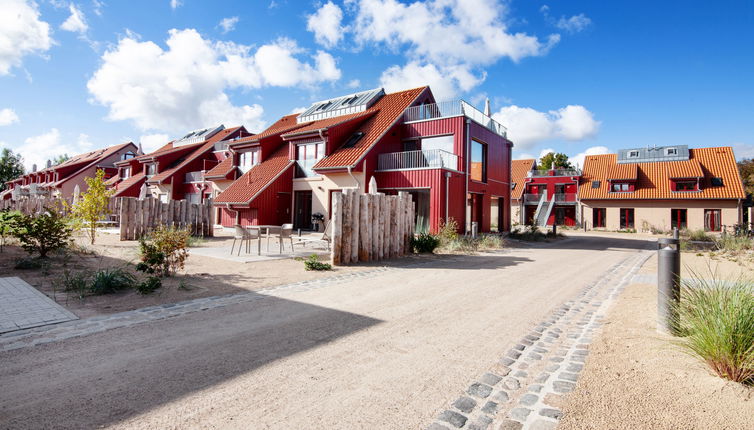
x: 355, y: 138
x: 633, y: 154
x: 595, y: 184
x: 513, y: 185
x: 671, y: 151
x: 716, y: 182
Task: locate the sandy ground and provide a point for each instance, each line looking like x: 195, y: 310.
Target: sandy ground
x: 389, y: 351
x: 635, y: 378
x: 203, y: 276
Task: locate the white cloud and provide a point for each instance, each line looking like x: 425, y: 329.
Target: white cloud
x: 174, y: 4
x: 298, y: 110
x: 76, y: 22
x: 574, y: 24
x: 578, y: 159
x: 353, y: 83
x: 8, y: 116
x: 21, y: 33
x: 38, y: 149
x: 446, y: 82
x: 228, y: 24
x: 522, y: 156
x: 743, y: 150
x: 527, y: 126
x: 183, y: 87
x: 97, y: 7
x: 326, y: 24
x: 151, y: 142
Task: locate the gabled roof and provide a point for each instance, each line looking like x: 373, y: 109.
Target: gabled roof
x: 624, y: 172
x: 686, y: 169
x: 654, y: 178
x: 253, y: 182
x: 222, y: 170
x: 91, y: 160
x: 130, y: 182
x: 519, y: 169
x: 390, y: 109
x: 198, y: 152
x: 284, y: 124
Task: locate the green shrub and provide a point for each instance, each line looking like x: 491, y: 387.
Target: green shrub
x: 424, y: 243
x: 8, y: 225
x: 43, y: 233
x: 696, y: 235
x: 313, y: 263
x: 30, y: 263
x: 108, y: 281
x: 448, y: 231
x: 734, y: 243
x: 164, y: 251
x: 716, y: 320
x: 77, y: 282
x: 149, y: 285
x: 529, y: 233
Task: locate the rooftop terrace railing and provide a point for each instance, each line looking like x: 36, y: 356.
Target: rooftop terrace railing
x: 556, y: 172
x: 453, y: 108
x: 424, y: 159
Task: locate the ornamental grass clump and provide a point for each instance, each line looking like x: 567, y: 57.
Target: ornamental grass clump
x: 716, y: 322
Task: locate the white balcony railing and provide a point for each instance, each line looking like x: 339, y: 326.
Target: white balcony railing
x: 556, y: 172
x: 562, y: 198
x: 450, y: 109
x: 194, y: 177
x: 425, y: 159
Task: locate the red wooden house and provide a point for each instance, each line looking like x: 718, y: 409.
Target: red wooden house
x: 551, y: 197
x: 454, y: 159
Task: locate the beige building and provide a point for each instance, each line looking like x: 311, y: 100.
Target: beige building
x: 659, y: 188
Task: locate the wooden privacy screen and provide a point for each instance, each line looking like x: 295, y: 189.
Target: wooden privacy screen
x: 139, y: 217
x: 370, y: 227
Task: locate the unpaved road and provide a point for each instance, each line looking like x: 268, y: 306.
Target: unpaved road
x: 388, y: 351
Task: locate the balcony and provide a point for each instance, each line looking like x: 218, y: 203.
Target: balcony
x: 556, y: 172
x: 424, y: 159
x: 193, y: 177
x: 560, y: 198
x: 450, y: 109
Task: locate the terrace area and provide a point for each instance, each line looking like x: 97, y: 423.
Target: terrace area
x: 450, y: 109
x: 421, y: 159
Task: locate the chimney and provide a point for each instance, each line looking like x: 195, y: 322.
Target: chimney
x: 33, y: 168
x: 140, y: 151
x: 487, y: 110
x: 49, y: 163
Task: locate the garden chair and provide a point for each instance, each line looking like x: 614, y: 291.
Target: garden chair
x: 286, y: 233
x: 244, y: 235
x: 318, y: 237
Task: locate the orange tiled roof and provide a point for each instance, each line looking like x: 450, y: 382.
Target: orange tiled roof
x: 653, y: 179
x: 130, y: 182
x: 91, y: 159
x: 284, y: 124
x: 112, y: 181
x: 686, y: 169
x: 519, y: 169
x: 623, y: 171
x: 390, y: 108
x: 221, y: 170
x: 246, y: 188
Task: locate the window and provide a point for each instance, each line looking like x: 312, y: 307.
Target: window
x: 307, y: 156
x: 678, y: 218
x: 248, y: 159
x: 712, y: 220
x: 685, y: 186
x: 626, y: 218
x: 128, y: 155
x: 621, y: 187
x: 478, y: 161
x: 716, y: 182
x: 355, y: 138
x: 126, y: 172
x: 633, y: 154
x: 151, y: 170
x: 513, y: 185
x: 598, y: 217
x: 595, y: 184
x: 671, y: 151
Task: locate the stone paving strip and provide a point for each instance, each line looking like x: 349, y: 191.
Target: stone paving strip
x: 23, y: 306
x: 66, y: 330
x: 525, y: 389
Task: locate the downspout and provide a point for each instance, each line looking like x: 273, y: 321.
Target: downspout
x: 358, y: 187
x: 447, y: 194
x: 466, y: 163
x: 238, y: 214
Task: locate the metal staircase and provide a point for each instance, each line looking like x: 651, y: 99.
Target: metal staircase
x: 544, y: 209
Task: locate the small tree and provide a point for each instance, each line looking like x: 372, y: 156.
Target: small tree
x: 8, y: 225
x: 43, y: 233
x: 11, y: 166
x: 94, y: 204
x: 559, y: 159
x: 164, y: 251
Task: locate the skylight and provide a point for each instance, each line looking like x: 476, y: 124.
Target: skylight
x: 353, y: 140
x: 352, y: 103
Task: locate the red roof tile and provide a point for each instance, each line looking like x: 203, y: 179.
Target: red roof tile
x: 686, y: 169
x: 390, y: 108
x: 246, y: 188
x: 623, y: 171
x: 519, y: 169
x: 130, y: 182
x: 654, y: 178
x: 284, y: 124
x: 222, y: 170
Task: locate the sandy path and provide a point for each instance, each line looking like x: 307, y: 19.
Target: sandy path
x: 382, y: 352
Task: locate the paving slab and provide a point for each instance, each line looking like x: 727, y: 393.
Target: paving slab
x: 23, y: 306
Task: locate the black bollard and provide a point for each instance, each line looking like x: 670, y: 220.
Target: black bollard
x: 668, y: 283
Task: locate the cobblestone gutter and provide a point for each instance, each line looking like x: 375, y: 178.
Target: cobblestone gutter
x: 525, y: 389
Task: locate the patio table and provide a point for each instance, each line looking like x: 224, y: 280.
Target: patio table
x: 268, y: 229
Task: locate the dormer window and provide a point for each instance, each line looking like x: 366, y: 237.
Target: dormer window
x: 128, y: 155
x: 513, y: 185
x: 151, y: 170
x: 247, y: 160
x: 633, y: 154
x: 126, y: 173
x: 686, y: 186
x: 671, y: 151
x: 621, y: 187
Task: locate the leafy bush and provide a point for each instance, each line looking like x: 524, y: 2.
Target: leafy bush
x: 313, y: 263
x: 149, y: 285
x: 44, y: 233
x: 696, y: 235
x: 77, y: 282
x: 734, y: 243
x: 716, y: 319
x: 529, y: 233
x: 448, y: 231
x: 424, y: 243
x: 30, y: 263
x: 8, y: 225
x: 164, y: 251
x: 108, y: 281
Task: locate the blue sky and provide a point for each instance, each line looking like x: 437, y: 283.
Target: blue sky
x: 574, y: 76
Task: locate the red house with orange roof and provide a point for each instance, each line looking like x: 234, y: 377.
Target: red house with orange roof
x: 454, y: 159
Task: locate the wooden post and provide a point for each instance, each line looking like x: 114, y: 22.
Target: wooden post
x: 123, y: 215
x: 393, y: 226
x: 374, y: 209
x: 382, y: 222
x: 337, y: 229
x: 401, y: 218
x: 355, y: 221
x: 365, y: 228
x: 345, y: 256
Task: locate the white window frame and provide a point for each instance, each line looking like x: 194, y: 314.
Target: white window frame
x: 248, y: 159
x: 633, y: 154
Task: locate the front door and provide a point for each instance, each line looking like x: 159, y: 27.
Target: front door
x: 302, y: 207
x: 560, y: 216
x: 283, y: 208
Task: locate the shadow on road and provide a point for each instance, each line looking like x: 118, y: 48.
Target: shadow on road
x: 598, y: 243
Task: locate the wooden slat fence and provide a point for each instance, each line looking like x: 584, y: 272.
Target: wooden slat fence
x: 37, y: 205
x: 139, y: 217
x: 370, y: 227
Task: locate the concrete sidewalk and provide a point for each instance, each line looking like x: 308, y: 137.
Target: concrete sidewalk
x: 23, y: 306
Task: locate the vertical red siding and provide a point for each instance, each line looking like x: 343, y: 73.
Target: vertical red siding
x: 263, y: 210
